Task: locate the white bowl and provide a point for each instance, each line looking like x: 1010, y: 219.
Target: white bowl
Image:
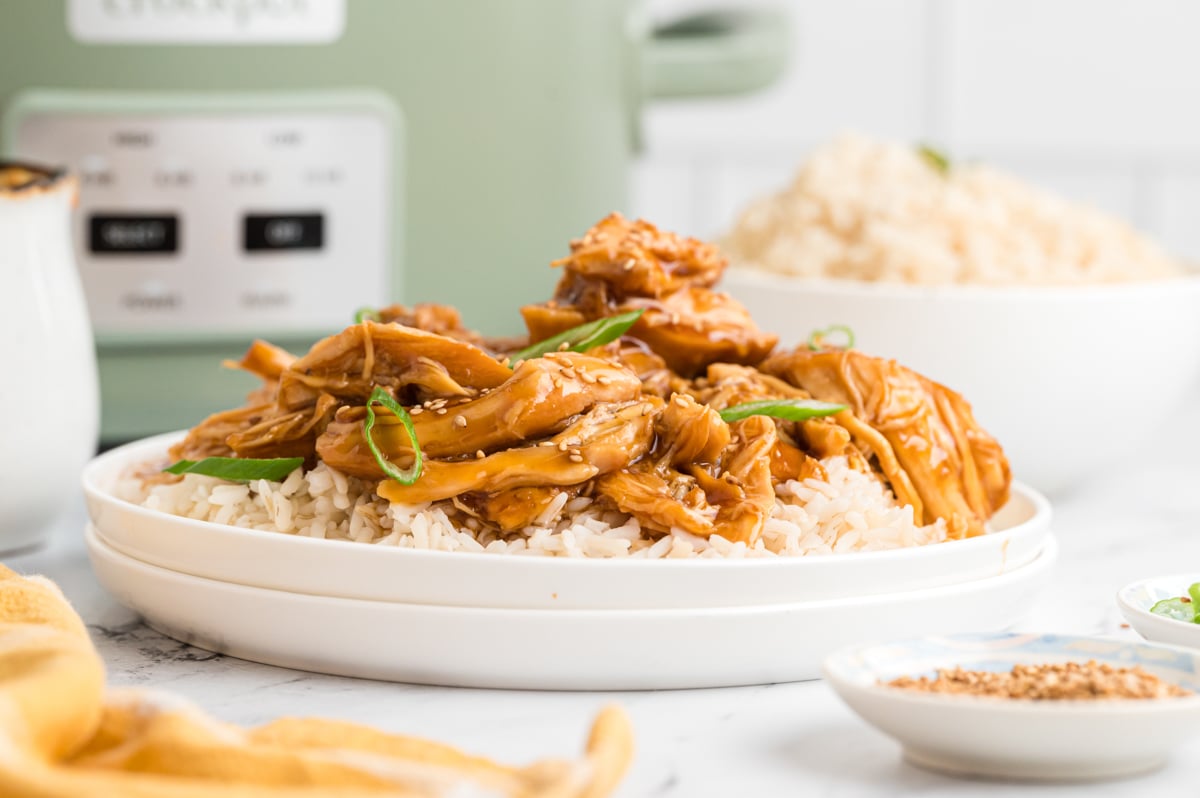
x: 1007, y: 738
x: 547, y: 649
x: 1068, y: 379
x: 388, y: 573
x: 1136, y: 599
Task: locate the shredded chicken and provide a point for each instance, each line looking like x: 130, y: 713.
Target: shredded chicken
x: 539, y: 399
x: 922, y: 434
x: 620, y: 266
x: 635, y: 425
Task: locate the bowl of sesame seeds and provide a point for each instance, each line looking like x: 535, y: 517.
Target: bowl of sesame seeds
x: 1025, y: 706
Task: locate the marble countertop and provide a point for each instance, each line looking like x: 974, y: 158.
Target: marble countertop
x: 783, y: 739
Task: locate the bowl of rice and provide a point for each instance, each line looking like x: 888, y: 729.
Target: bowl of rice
x: 1047, y: 314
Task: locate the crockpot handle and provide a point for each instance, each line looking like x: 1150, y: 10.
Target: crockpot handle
x: 715, y: 53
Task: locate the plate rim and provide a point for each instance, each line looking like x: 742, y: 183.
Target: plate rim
x: 1042, y: 514
x: 1044, y: 561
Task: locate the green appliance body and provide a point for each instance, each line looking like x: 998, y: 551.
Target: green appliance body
x: 263, y: 168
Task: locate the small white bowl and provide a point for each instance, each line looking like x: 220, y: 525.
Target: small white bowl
x: 1136, y: 599
x: 1038, y: 364
x: 348, y: 569
x: 1006, y: 738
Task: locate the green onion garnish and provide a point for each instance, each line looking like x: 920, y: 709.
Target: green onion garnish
x: 1181, y: 609
x: 382, y: 397
x: 936, y: 159
x: 787, y: 409
x: 816, y: 341
x: 582, y: 338
x: 362, y: 314
x: 238, y: 469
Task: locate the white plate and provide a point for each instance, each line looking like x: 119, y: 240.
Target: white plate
x: 1020, y: 739
x: 388, y: 573
x: 546, y: 649
x: 1136, y: 599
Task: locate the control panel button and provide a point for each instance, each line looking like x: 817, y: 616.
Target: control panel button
x: 269, y: 232
x: 133, y: 234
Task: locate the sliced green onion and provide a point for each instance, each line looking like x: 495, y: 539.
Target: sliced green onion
x: 238, y: 469
x: 382, y: 397
x: 787, y: 409
x: 363, y: 314
x: 1178, y: 608
x: 937, y: 160
x: 582, y: 338
x: 816, y: 341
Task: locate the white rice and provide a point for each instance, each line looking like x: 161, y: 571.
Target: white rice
x: 866, y: 210
x: 850, y: 512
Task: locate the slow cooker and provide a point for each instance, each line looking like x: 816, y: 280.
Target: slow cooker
x: 262, y: 168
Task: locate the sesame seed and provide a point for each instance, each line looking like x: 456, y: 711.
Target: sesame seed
x: 576, y: 458
x: 604, y: 379
x: 441, y: 411
x: 460, y: 421
x: 416, y: 411
x: 562, y: 446
x: 479, y: 454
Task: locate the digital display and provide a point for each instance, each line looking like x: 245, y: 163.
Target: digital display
x: 271, y: 232
x: 133, y: 234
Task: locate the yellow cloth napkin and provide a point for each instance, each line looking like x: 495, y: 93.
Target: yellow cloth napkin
x: 62, y: 735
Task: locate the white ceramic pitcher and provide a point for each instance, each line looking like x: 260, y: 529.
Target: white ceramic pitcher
x: 49, y: 404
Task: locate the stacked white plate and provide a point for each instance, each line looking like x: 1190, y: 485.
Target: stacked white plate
x: 487, y: 620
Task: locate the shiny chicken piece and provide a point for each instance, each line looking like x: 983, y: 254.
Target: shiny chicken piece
x: 635, y: 258
x: 621, y: 266
x: 260, y: 430
x: 695, y: 327
x: 265, y: 360
x: 210, y: 437
x: 923, y: 435
x: 541, y: 397
x: 726, y: 385
x: 350, y: 364
x: 515, y: 508
x: 707, y: 477
x: 606, y: 438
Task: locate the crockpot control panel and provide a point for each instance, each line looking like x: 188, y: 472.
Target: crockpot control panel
x: 250, y: 215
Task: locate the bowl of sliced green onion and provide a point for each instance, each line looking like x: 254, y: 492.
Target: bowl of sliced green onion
x: 1165, y: 609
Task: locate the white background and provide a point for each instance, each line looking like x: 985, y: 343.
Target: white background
x: 1098, y: 100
